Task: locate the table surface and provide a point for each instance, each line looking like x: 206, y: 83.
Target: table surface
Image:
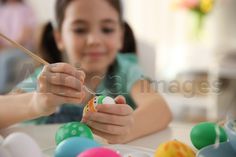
x: 44, y: 135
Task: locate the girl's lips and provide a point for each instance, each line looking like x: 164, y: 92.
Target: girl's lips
x: 95, y: 55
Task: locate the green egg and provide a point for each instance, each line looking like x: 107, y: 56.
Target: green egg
x: 73, y: 129
x: 205, y: 134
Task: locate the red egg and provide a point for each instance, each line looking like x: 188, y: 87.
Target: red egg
x: 99, y: 152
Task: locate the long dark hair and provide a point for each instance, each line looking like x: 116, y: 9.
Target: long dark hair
x: 47, y: 44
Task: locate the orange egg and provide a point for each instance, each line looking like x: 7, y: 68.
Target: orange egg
x: 174, y: 149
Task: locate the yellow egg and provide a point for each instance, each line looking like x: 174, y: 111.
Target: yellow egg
x: 174, y: 149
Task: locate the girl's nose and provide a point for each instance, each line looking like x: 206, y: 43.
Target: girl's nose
x: 94, y: 39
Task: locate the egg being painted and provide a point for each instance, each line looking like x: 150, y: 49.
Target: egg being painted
x: 92, y: 104
x: 207, y: 133
x: 73, y: 129
x: 174, y: 149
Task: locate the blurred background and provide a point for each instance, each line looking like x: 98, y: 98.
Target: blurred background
x: 188, y: 50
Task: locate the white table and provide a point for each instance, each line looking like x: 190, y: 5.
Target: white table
x: 44, y: 135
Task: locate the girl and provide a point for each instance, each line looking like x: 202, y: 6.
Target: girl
x: 90, y: 33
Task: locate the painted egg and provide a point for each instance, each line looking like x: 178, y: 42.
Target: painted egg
x: 73, y: 146
x: 99, y: 152
x: 205, y: 134
x: 73, y: 129
x: 174, y: 148
x: 92, y: 104
x: 21, y: 145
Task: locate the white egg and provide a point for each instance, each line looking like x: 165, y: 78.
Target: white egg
x: 108, y: 100
x: 21, y: 145
x: 4, y: 152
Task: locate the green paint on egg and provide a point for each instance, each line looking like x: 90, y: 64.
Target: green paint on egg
x: 73, y: 129
x: 205, y: 134
x: 100, y: 99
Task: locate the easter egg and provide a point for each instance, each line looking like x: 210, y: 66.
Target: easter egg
x: 21, y: 145
x: 174, y: 149
x: 205, y: 134
x: 73, y: 129
x: 99, y: 152
x: 92, y: 104
x: 73, y: 146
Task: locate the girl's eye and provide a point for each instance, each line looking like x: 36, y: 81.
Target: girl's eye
x: 108, y: 30
x: 80, y: 30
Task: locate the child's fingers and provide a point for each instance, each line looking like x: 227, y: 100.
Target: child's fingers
x: 109, y: 119
x: 70, y: 100
x: 120, y: 99
x: 116, y: 109
x: 65, y: 80
x: 67, y: 69
x: 107, y: 128
x: 64, y: 87
x: 62, y: 74
x: 73, y: 100
x: 64, y: 91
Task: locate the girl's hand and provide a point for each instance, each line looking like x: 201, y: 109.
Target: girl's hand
x: 58, y: 84
x: 112, y: 122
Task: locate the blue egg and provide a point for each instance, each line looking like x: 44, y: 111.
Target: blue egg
x: 73, y: 146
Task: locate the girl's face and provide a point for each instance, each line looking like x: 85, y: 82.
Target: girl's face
x: 91, y: 34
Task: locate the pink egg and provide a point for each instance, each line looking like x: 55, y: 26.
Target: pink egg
x: 99, y: 152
